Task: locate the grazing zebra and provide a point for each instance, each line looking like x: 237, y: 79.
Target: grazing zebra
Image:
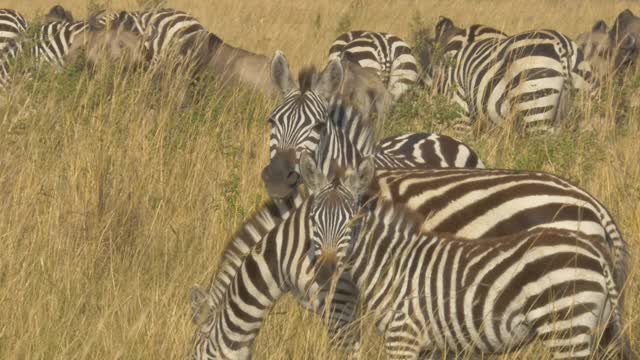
x: 280, y: 262
x: 174, y: 38
x: 385, y: 53
x: 12, y: 27
x: 467, y: 203
x: 297, y: 122
x: 60, y: 34
x: 496, y: 77
x: 235, y: 316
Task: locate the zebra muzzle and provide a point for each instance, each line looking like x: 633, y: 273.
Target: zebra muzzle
x: 326, y: 266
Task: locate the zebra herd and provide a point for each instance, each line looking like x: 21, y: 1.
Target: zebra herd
x: 448, y: 257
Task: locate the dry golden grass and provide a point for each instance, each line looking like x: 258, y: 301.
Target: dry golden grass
x: 116, y: 199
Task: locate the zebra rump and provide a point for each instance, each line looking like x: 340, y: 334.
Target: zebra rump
x: 497, y: 77
x: 385, y: 53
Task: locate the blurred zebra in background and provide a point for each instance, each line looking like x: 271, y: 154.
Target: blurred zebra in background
x: 497, y: 77
x: 60, y: 33
x: 12, y: 28
x: 174, y: 40
x: 385, y: 53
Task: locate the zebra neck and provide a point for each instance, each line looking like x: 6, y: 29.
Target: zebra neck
x: 264, y: 275
x: 388, y: 234
x: 265, y: 219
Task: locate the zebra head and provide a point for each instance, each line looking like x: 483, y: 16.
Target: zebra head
x: 296, y: 122
x: 112, y: 38
x: 609, y: 50
x: 625, y: 34
x: 333, y: 207
x: 58, y: 13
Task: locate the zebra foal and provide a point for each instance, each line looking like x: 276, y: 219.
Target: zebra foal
x: 436, y: 293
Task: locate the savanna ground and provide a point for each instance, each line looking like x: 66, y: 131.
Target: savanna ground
x: 117, y: 197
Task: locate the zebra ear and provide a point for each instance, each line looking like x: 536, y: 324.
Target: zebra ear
x: 358, y: 181
x: 600, y: 27
x: 312, y: 176
x: 198, y: 299
x: 443, y: 25
x: 625, y: 15
x: 330, y: 80
x: 280, y: 73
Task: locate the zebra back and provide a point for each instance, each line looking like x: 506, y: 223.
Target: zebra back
x: 167, y: 30
x: 385, y: 53
x: 423, y: 150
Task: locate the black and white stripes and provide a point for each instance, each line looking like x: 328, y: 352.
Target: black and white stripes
x: 385, y: 53
x: 280, y: 262
x: 12, y: 27
x: 492, y: 76
x: 446, y: 295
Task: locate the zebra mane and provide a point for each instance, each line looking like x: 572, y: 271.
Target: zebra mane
x: 346, y: 139
x: 307, y: 77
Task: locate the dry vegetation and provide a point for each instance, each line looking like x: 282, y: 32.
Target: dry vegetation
x: 117, y: 198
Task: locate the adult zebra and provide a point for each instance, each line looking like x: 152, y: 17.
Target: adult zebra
x: 497, y: 77
x: 297, y: 121
x: 280, y: 262
x: 12, y: 27
x: 342, y: 140
x: 385, y: 53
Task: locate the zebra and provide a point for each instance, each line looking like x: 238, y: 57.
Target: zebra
x: 383, y: 52
x: 281, y: 260
x: 12, y: 28
x: 167, y: 37
x: 440, y: 293
x: 493, y: 76
x: 297, y: 121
